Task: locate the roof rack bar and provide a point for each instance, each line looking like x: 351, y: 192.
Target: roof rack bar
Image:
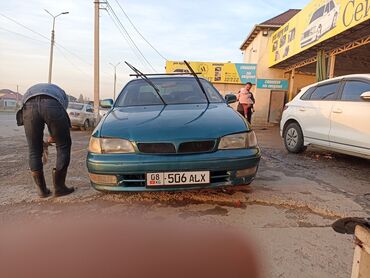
x: 170, y: 73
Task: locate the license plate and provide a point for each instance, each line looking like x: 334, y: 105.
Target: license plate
x: 177, y: 178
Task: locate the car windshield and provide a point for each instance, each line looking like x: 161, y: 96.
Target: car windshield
x: 75, y: 106
x: 183, y: 90
x: 319, y: 13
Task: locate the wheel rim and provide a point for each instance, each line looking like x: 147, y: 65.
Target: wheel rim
x: 292, y: 138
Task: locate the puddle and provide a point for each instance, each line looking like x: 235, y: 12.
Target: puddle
x: 217, y: 210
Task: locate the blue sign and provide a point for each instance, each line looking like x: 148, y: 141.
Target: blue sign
x: 247, y: 72
x: 273, y: 84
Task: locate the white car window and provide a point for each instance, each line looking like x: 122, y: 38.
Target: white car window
x: 326, y: 92
x: 307, y: 94
x: 327, y: 8
x: 353, y: 89
x: 332, y: 6
x: 319, y: 13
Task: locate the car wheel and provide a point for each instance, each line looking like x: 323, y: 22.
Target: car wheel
x: 293, y: 138
x: 86, y: 125
x: 334, y: 23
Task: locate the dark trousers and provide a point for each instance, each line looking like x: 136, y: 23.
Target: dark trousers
x: 37, y: 112
x: 249, y: 115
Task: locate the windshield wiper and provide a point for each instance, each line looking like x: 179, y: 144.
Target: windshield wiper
x: 146, y: 79
x: 197, y: 79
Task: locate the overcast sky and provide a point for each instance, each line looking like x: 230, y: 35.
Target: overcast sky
x: 195, y: 30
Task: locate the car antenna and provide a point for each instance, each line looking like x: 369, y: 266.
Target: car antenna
x: 146, y: 79
x: 197, y: 79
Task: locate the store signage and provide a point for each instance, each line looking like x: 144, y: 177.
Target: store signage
x: 231, y: 73
x: 272, y: 84
x: 317, y: 22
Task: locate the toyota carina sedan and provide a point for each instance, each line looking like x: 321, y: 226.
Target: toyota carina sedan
x: 171, y: 133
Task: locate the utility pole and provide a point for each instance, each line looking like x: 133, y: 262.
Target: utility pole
x: 52, y: 43
x: 115, y: 78
x: 96, y: 59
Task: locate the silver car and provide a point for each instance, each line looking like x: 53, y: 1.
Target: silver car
x: 81, y: 115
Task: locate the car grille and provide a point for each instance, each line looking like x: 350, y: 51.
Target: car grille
x: 138, y: 180
x: 185, y: 147
x: 156, y: 147
x: 196, y: 147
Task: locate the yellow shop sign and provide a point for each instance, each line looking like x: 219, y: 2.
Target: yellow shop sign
x: 238, y: 73
x: 318, y: 21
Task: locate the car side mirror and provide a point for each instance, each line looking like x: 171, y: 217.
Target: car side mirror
x: 230, y: 98
x: 366, y: 96
x: 106, y: 103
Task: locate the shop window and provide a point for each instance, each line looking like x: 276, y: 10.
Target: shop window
x: 353, y: 89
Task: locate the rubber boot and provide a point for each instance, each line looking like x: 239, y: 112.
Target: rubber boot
x: 59, y: 180
x: 39, y: 179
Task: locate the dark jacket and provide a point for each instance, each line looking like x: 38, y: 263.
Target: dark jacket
x: 47, y: 89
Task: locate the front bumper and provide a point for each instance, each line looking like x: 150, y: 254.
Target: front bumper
x: 224, y: 165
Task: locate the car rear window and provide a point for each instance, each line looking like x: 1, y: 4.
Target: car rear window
x: 75, y: 106
x: 172, y: 90
x: 325, y: 92
x: 307, y: 94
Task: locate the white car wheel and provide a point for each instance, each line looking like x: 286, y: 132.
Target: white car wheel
x: 293, y: 138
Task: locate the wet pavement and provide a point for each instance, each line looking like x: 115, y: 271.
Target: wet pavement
x: 287, y: 210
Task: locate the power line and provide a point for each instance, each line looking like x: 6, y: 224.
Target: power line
x: 45, y: 37
x: 141, y: 35
x: 136, y: 47
x: 69, y: 61
x: 21, y: 35
x: 24, y: 26
x: 127, y: 40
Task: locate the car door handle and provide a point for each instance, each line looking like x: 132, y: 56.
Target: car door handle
x: 337, y: 111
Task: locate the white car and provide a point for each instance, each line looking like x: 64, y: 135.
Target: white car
x: 81, y: 115
x: 322, y: 20
x: 333, y: 114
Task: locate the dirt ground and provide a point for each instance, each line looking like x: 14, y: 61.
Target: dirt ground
x: 287, y: 211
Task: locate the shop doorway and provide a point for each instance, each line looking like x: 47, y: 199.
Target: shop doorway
x: 277, y: 102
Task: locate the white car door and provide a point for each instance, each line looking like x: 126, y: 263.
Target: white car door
x: 315, y: 114
x: 350, y: 119
x: 90, y: 114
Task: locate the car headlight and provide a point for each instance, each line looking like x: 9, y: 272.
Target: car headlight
x: 110, y: 145
x: 238, y: 141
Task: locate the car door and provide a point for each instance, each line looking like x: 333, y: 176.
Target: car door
x: 314, y: 115
x: 90, y: 114
x: 350, y: 118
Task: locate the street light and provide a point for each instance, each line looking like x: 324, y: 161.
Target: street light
x: 52, y: 43
x: 115, y: 78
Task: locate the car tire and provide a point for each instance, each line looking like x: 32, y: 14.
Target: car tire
x: 334, y: 23
x: 86, y: 125
x: 293, y: 138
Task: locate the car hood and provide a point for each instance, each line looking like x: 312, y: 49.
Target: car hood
x: 172, y: 122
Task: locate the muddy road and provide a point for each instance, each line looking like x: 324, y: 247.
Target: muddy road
x: 287, y: 210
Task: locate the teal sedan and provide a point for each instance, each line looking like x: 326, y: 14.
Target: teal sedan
x: 171, y: 133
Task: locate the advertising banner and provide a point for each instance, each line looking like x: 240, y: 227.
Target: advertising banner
x: 230, y: 73
x: 273, y: 84
x: 318, y: 21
